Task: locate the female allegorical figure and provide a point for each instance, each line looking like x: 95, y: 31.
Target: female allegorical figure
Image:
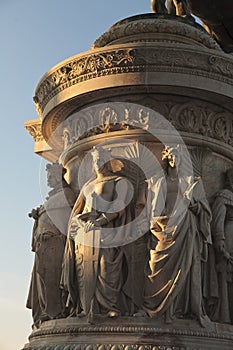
x: 48, y: 242
x: 181, y: 224
x: 93, y: 260
x: 222, y: 228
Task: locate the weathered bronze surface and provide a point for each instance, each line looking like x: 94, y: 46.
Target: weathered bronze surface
x: 222, y: 226
x: 48, y: 241
x: 217, y: 16
x: 137, y: 264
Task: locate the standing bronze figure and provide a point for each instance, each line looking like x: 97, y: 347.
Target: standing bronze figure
x: 180, y: 223
x: 92, y: 269
x: 178, y: 7
x: 222, y: 228
x: 48, y: 242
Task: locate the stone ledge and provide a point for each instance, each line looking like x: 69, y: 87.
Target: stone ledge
x: 127, y: 333
x: 140, y: 27
x: 131, y: 65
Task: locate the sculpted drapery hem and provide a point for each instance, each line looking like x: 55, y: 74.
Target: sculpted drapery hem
x: 108, y: 270
x: 174, y: 273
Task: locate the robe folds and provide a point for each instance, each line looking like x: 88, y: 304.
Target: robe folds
x: 174, y: 273
x: 45, y: 297
x: 100, y: 265
x: 222, y: 228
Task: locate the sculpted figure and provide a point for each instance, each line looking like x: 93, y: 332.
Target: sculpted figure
x: 180, y: 225
x: 48, y: 242
x: 222, y: 229
x: 178, y: 7
x: 93, y: 260
x: 158, y: 6
x: 216, y: 16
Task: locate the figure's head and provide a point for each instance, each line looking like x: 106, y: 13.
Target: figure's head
x: 55, y: 174
x: 229, y: 179
x: 172, y: 155
x: 101, y: 159
x: 104, y: 162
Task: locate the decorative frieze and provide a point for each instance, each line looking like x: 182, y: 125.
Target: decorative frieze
x: 198, y: 339
x: 192, y: 117
x: 113, y: 347
x: 132, y: 28
x: 203, y: 120
x: 81, y: 69
x: 133, y: 59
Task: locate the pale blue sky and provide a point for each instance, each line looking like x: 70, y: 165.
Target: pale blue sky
x: 34, y: 36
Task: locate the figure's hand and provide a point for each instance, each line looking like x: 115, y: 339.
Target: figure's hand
x: 73, y: 232
x: 220, y: 246
x: 74, y: 226
x: 34, y: 214
x: 92, y: 223
x: 89, y: 226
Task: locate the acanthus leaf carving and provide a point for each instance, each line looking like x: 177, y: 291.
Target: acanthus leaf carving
x: 133, y: 59
x: 82, y: 68
x: 34, y: 129
x: 202, y: 120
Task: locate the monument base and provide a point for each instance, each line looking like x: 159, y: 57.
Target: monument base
x: 129, y: 333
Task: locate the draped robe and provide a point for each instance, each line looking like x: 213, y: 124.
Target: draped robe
x: 174, y: 277
x: 97, y: 270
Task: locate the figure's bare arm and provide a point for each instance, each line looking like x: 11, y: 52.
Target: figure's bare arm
x: 116, y: 206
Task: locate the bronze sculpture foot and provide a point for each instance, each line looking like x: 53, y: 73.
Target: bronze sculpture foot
x: 140, y: 313
x: 81, y: 314
x: 113, y: 314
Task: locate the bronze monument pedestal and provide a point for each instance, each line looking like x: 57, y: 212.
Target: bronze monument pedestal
x: 127, y: 333
x: 142, y: 67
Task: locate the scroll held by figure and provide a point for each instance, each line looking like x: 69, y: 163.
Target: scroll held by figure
x: 180, y: 225
x: 48, y: 241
